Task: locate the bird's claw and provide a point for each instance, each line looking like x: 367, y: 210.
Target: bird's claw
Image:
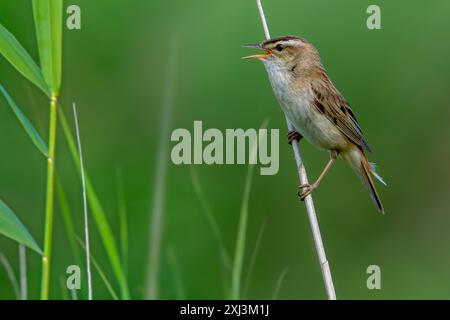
x: 307, y: 189
x: 294, y: 136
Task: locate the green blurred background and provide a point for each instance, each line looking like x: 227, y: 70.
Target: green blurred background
x: 396, y: 79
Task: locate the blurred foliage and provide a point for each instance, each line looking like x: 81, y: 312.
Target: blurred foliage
x: 396, y: 80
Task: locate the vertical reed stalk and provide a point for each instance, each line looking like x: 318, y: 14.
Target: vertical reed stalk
x: 23, y: 272
x: 239, y: 253
x: 253, y: 258
x: 46, y: 258
x: 85, y: 209
x: 10, y: 274
x: 242, y: 233
x: 325, y: 267
x: 157, y: 213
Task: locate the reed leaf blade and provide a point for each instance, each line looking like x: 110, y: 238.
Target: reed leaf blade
x: 26, y: 124
x: 48, y: 22
x: 13, y: 228
x: 19, y: 58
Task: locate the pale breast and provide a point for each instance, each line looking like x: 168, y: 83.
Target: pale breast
x: 297, y: 104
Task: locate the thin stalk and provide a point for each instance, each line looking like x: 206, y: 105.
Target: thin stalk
x: 320, y: 249
x: 157, y: 213
x: 240, y: 243
x: 97, y: 212
x: 239, y: 253
x: 100, y: 272
x: 46, y: 259
x: 85, y: 209
x: 225, y: 256
x: 23, y: 272
x: 63, y: 288
x: 253, y: 258
x: 104, y: 279
x: 176, y: 273
x: 10, y: 274
x: 279, y: 283
x: 67, y: 217
x: 123, y: 220
x: 74, y: 294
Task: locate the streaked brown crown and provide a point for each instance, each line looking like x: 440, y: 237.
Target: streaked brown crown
x: 276, y: 40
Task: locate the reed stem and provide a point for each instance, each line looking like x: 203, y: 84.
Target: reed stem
x: 23, y: 272
x: 324, y: 265
x: 158, y: 206
x: 46, y: 259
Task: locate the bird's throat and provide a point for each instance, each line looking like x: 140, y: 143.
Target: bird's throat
x: 281, y: 79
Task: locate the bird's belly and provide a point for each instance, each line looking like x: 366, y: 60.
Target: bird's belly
x: 298, y: 106
x: 313, y: 125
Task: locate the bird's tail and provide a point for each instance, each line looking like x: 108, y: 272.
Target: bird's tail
x: 358, y: 161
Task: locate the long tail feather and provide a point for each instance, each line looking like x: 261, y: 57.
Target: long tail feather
x: 358, y: 161
x: 366, y: 170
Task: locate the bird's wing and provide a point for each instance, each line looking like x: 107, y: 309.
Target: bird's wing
x: 330, y: 102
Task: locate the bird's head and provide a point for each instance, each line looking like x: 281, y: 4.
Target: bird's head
x: 286, y: 51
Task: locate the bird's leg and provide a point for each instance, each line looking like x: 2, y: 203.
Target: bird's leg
x: 307, y: 189
x: 294, y: 136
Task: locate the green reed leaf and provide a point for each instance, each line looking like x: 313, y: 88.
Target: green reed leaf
x: 49, y: 23
x: 26, y: 124
x: 15, y: 53
x: 11, y: 227
x: 67, y: 217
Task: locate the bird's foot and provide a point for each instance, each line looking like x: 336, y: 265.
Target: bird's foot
x: 307, y: 189
x: 294, y: 136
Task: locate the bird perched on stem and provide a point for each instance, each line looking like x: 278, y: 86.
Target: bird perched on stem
x: 316, y: 108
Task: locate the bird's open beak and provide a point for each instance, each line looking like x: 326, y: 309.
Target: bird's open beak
x: 257, y: 56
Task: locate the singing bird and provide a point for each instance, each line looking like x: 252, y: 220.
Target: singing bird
x: 316, y: 109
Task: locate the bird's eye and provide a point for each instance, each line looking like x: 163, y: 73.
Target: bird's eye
x: 279, y: 47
